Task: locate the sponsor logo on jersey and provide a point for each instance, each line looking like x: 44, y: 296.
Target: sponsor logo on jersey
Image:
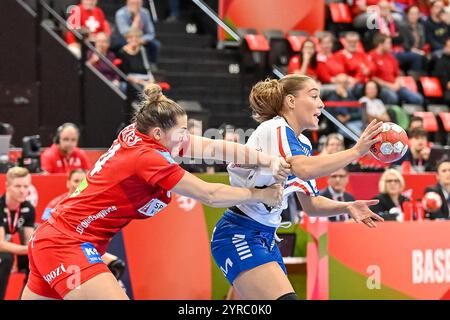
x: 91, y: 253
x: 86, y: 222
x: 55, y: 273
x: 152, y: 207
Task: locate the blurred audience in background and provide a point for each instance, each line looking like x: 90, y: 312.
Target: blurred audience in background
x: 337, y: 184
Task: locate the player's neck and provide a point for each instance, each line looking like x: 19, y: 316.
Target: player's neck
x: 292, y: 122
x: 11, y: 203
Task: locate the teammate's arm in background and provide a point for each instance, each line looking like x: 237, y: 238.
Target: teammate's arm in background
x: 221, y: 196
x: 307, y: 168
x: 6, y: 246
x: 323, y: 207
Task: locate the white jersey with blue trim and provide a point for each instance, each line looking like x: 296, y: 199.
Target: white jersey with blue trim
x: 277, y: 138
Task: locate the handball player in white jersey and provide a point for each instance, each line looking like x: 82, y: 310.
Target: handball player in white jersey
x: 244, y: 240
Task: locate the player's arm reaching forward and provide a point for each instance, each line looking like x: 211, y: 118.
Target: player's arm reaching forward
x: 307, y: 168
x: 324, y: 207
x: 221, y: 196
x: 221, y: 150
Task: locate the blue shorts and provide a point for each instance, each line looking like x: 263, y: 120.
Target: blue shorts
x: 240, y: 243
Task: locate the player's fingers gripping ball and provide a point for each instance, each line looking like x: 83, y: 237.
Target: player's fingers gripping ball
x: 393, y: 144
x: 432, y: 201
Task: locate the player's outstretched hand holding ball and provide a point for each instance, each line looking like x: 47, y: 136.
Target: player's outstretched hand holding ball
x: 369, y: 137
x: 393, y: 144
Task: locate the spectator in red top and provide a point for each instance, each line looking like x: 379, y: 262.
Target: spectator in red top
x: 387, y: 74
x: 356, y: 63
x: 327, y: 66
x: 63, y: 155
x: 402, y: 37
x: 305, y: 63
x: 87, y: 16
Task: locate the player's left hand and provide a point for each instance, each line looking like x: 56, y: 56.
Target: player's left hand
x: 360, y: 212
x: 281, y: 170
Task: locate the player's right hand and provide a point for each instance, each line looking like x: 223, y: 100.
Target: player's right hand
x: 369, y: 137
x: 273, y: 195
x: 281, y: 170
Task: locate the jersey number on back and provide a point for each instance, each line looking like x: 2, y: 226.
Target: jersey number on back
x: 101, y: 162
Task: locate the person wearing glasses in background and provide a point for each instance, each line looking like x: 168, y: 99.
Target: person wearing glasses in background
x: 337, y: 183
x: 390, y: 205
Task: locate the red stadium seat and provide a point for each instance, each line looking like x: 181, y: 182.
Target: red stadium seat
x: 429, y: 120
x: 296, y: 41
x: 410, y: 83
x: 257, y: 42
x: 445, y: 117
x: 431, y: 87
x: 340, y: 13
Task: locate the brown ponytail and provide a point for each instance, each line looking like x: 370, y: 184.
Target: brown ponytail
x: 267, y: 97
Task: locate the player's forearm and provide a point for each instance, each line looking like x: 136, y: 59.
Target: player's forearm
x: 13, y: 248
x: 222, y: 196
x: 221, y: 150
x: 323, y: 207
x: 307, y: 168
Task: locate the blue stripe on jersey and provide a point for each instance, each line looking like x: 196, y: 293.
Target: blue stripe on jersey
x: 166, y: 155
x: 314, y: 190
x: 297, y: 148
x: 291, y: 177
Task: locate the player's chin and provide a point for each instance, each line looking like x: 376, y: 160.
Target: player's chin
x: 314, y: 124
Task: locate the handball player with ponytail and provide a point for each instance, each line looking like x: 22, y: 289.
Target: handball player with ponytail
x: 244, y: 243
x: 132, y: 180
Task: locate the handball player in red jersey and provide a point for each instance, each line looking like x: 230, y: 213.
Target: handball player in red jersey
x: 132, y: 180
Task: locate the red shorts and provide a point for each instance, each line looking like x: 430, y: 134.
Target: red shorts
x: 60, y: 263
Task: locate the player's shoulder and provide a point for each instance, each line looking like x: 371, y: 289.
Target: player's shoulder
x: 155, y: 155
x: 272, y: 124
